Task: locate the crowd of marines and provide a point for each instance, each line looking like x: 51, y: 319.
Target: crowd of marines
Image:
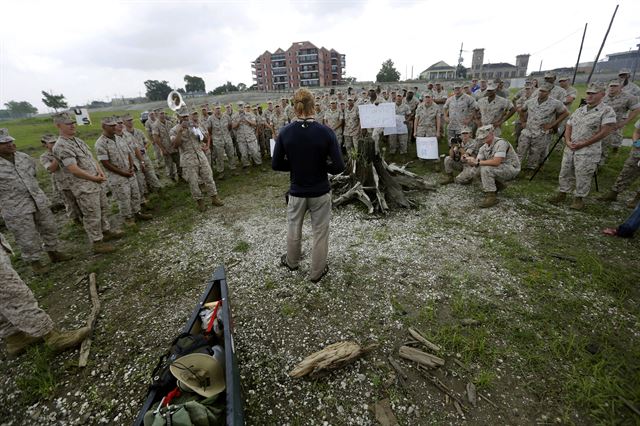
x: 195, y: 143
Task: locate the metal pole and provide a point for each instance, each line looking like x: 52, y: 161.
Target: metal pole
x: 635, y: 64
x: 593, y: 68
x: 575, y: 71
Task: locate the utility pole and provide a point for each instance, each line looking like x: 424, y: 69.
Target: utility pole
x: 540, y: 69
x: 575, y: 71
x: 460, y: 59
x: 595, y: 62
x: 635, y: 63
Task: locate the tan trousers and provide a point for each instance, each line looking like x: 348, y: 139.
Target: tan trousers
x: 31, y: 230
x: 320, y: 210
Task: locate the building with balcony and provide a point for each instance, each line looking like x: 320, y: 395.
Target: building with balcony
x: 302, y: 65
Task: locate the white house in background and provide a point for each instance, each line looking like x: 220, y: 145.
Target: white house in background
x: 439, y: 71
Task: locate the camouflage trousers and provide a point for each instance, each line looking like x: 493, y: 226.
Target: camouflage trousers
x: 248, y: 147
x: 221, y: 147
x: 503, y: 173
x: 612, y: 140
x: 578, y: 168
x: 350, y: 142
x: 125, y: 191
x: 71, y: 205
x: 172, y: 165
x: 31, y: 231
x: 467, y: 174
x: 94, y: 208
x: 398, y: 143
x: 196, y: 170
x: 150, y: 178
x: 533, y: 148
x: 56, y: 193
x: 629, y: 173
x: 158, y: 153
x: 19, y: 310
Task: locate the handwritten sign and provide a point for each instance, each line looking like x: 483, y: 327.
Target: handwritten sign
x: 427, y: 148
x: 381, y: 115
x: 82, y: 116
x: 400, y: 129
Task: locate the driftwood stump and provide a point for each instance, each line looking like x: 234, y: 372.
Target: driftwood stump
x: 332, y: 357
x: 378, y: 185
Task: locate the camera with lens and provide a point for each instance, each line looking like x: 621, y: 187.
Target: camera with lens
x: 456, y: 143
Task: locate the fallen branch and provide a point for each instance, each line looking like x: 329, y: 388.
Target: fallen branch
x: 419, y: 337
x: 472, y: 395
x: 420, y: 357
x: 442, y: 387
x: 397, y: 367
x: 332, y: 357
x: 355, y: 192
x: 488, y: 400
x: 85, y: 348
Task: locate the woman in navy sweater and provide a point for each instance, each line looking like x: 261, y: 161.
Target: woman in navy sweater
x: 308, y: 151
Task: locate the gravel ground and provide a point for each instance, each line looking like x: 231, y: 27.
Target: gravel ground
x: 408, y: 256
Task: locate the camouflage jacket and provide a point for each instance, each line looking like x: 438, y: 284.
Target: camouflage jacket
x: 491, y: 111
x: 499, y: 148
x: 461, y: 111
x: 75, y: 151
x: 219, y: 127
x: 20, y: 193
x: 162, y: 130
x: 539, y: 114
x: 426, y: 119
x: 352, y: 122
x: 193, y: 140
x: 586, y: 122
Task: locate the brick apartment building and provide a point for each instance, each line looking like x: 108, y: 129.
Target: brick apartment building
x: 302, y: 65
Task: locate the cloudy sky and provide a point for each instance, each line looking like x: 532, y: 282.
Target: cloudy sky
x: 96, y: 50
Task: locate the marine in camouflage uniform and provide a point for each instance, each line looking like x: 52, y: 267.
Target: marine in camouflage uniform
x: 570, y: 96
x: 268, y: 130
x: 334, y: 119
x: 261, y: 125
x: 556, y: 92
x: 85, y: 179
x: 148, y: 127
x: 459, y: 111
x: 115, y: 155
x: 160, y: 132
x: 25, y: 207
x: 494, y: 110
x: 519, y: 99
x: 289, y: 110
x: 585, y: 129
x: 427, y: 122
x: 50, y: 164
x: 218, y: 126
x: 413, y: 103
x: 629, y: 173
x: 190, y: 138
x: 628, y: 86
x: 244, y: 121
x: 497, y: 161
x: 454, y: 161
x: 626, y: 108
x: 539, y: 117
x: 351, y: 125
x: 398, y: 142
x: 138, y: 143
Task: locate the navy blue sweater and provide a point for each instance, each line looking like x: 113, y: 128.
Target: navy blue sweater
x: 308, y: 153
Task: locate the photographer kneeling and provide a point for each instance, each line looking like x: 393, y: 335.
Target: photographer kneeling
x: 497, y: 161
x: 461, y: 147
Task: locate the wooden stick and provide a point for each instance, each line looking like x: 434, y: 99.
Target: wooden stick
x: 413, y: 354
x: 419, y: 337
x: 85, y: 348
x: 397, y: 367
x: 488, y: 400
x: 438, y: 384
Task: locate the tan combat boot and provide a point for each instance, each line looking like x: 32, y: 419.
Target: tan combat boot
x: 634, y: 202
x: 39, y: 267
x: 609, y: 196
x: 216, y: 201
x: 112, y: 235
x: 560, y: 197
x: 143, y: 216
x: 57, y: 256
x: 447, y: 179
x: 19, y: 342
x: 490, y: 200
x: 201, y: 205
x: 577, y: 203
x: 100, y: 247
x: 60, y: 341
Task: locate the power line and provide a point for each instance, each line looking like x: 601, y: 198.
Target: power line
x: 557, y: 42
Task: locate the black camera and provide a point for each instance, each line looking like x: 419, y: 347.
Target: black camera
x: 455, y: 143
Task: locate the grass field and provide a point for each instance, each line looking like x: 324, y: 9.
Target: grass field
x: 553, y: 305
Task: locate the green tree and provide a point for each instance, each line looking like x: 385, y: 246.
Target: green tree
x: 157, y: 90
x: 193, y: 84
x: 242, y: 87
x: 461, y: 71
x: 54, y: 101
x: 388, y: 73
x: 225, y: 88
x: 20, y: 109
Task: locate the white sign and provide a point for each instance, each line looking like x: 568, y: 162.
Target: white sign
x: 400, y: 129
x: 373, y: 116
x: 82, y: 116
x: 272, y: 144
x: 427, y: 148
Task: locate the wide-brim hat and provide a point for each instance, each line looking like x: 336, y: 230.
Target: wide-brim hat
x: 484, y: 131
x: 199, y: 372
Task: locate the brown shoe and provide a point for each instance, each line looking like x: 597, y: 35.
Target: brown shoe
x: 100, y: 247
x: 112, y: 235
x: 634, y: 202
x: 39, y: 267
x: 57, y: 256
x: 447, y: 179
x: 577, y: 204
x: 143, y: 216
x: 19, y: 342
x: 216, y: 201
x: 609, y: 196
x: 560, y: 197
x: 129, y: 222
x: 500, y: 186
x: 490, y: 200
x: 60, y: 341
x: 201, y: 205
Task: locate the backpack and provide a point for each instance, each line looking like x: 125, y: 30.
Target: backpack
x: 184, y: 344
